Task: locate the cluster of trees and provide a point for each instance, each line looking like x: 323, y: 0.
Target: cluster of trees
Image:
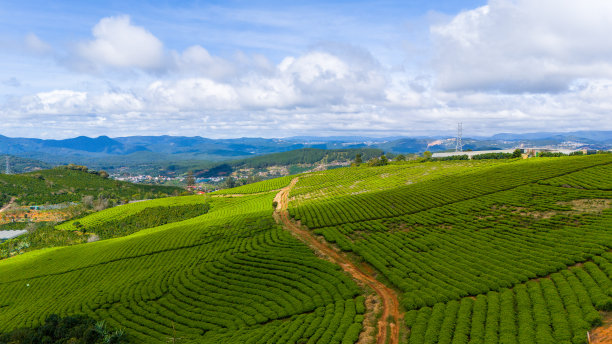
x: 451, y: 158
x: 83, y: 168
x: 75, y: 329
x: 497, y: 155
x: 381, y: 160
x: 39, y: 235
x: 306, y: 156
x: 516, y: 154
x: 59, y: 185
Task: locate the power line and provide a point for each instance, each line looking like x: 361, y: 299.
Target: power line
x: 459, y: 147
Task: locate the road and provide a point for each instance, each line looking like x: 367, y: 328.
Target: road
x: 390, y: 320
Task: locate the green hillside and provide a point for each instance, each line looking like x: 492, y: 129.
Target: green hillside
x: 62, y: 184
x: 489, y: 233
x: 510, y: 251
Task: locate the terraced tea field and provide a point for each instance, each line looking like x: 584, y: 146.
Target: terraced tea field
x: 454, y: 245
x: 445, y: 252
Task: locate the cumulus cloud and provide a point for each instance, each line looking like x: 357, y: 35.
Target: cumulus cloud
x: 524, y: 46
x: 500, y: 67
x: 119, y: 43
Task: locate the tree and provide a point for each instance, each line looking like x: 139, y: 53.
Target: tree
x: 230, y: 182
x: 190, y: 180
x: 103, y: 174
x: 400, y: 157
x: 427, y: 154
x: 383, y: 160
x: 517, y: 153
x: 358, y: 159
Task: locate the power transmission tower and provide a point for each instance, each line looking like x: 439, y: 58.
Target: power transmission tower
x: 8, y: 165
x: 459, y: 147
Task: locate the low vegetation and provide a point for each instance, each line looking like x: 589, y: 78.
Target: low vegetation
x: 479, y: 251
x: 77, y: 329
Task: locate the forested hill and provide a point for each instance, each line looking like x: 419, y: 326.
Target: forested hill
x: 309, y: 156
x: 63, y: 184
x: 22, y: 165
x: 306, y: 156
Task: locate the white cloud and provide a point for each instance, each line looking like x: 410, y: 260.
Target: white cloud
x: 495, y: 70
x: 118, y: 43
x: 195, y: 94
x: 524, y: 45
x: 54, y: 102
x: 35, y: 45
x: 196, y: 60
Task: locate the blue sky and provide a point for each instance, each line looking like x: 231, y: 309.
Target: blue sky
x: 277, y: 68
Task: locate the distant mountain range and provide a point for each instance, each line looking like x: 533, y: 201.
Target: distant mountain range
x: 104, y: 150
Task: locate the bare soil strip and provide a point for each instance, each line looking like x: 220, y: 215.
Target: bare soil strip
x: 602, y: 334
x: 390, y: 320
x: 8, y: 204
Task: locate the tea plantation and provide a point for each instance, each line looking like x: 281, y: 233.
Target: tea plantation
x: 474, y: 243
x: 514, y: 251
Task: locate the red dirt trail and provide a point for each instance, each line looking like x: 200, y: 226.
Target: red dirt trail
x: 391, y: 317
x: 603, y: 333
x: 8, y: 204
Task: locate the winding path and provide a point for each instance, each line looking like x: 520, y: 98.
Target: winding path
x: 390, y: 320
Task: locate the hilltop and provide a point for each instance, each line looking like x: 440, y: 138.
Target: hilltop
x: 66, y: 184
x: 411, y: 252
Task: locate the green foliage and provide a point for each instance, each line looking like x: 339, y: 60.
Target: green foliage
x: 480, y: 250
x: 305, y: 156
x: 115, y: 214
x: 550, y: 154
x: 147, y: 218
x: 230, y: 182
x: 378, y: 161
x: 258, y: 187
x: 546, y: 311
x: 39, y: 235
x: 358, y: 159
x: 464, y: 229
x: 77, y: 329
x: 452, y: 158
x: 190, y: 180
x: 230, y: 276
x: 494, y: 156
x: 67, y: 184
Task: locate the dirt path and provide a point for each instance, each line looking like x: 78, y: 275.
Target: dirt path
x: 8, y: 204
x: 390, y: 320
x: 602, y: 334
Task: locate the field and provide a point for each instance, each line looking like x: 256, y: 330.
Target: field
x: 483, y: 251
x: 231, y: 275
x: 474, y: 238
